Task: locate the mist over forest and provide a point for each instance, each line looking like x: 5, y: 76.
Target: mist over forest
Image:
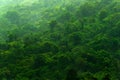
x: 59, y: 39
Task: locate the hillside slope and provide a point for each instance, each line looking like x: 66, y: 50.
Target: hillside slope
x: 61, y: 40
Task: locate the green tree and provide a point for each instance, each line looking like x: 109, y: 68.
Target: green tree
x: 13, y: 17
x: 52, y: 25
x: 75, y: 38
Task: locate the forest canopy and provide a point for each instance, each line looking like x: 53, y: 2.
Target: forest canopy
x: 59, y: 40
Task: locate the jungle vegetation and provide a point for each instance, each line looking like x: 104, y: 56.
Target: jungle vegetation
x: 59, y: 39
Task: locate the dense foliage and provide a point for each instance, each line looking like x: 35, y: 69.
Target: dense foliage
x: 60, y: 40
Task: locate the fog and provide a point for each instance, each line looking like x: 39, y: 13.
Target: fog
x: 11, y: 2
